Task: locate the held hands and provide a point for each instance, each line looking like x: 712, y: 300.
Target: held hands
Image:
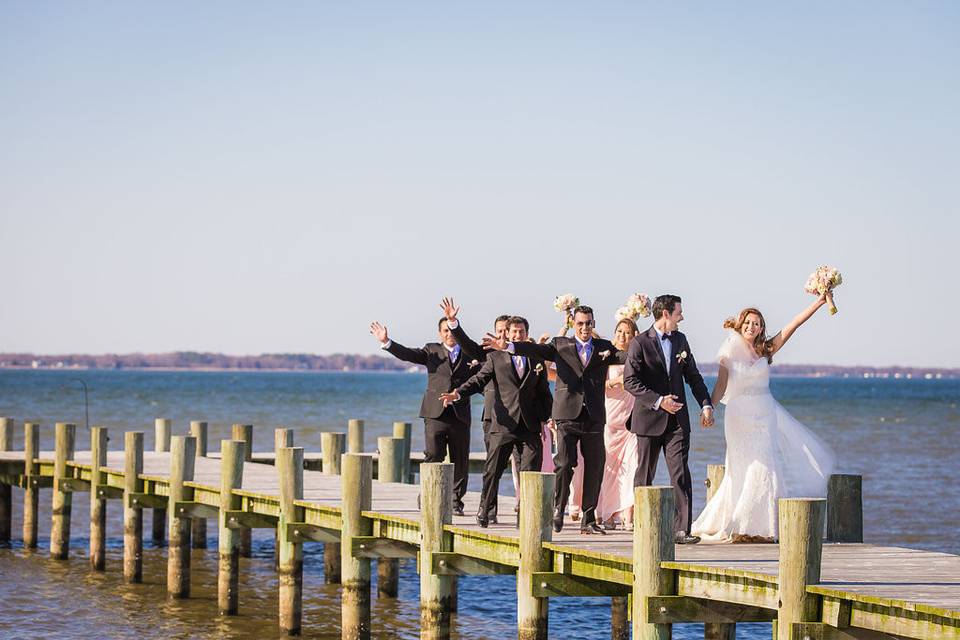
x: 450, y: 310
x: 670, y: 404
x: 379, y: 332
x: 450, y: 397
x: 706, y: 418
x: 493, y: 343
x: 613, y: 383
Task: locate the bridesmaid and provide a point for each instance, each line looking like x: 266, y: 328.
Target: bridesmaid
x: 615, y: 506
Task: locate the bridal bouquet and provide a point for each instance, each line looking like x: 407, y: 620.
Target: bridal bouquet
x: 567, y: 303
x: 637, y: 306
x: 823, y: 281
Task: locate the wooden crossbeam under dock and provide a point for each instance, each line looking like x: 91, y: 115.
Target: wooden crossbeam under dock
x: 863, y: 589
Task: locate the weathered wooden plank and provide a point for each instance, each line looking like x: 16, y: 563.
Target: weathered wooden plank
x: 250, y: 520
x: 192, y: 509
x: 302, y: 532
x: 373, y: 547
x: 673, y: 609
x: 147, y: 501
x: 455, y: 564
x: 550, y: 584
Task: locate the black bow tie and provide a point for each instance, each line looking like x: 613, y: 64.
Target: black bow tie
x: 667, y: 336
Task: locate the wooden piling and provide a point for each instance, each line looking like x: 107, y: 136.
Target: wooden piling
x: 332, y: 445
x: 132, y: 514
x: 389, y: 469
x: 717, y: 630
x: 31, y: 494
x: 228, y: 573
x: 801, y: 543
x: 619, y: 618
x: 198, y: 526
x: 244, y: 432
x: 845, y: 508
x: 282, y: 437
x: 357, y: 489
x: 436, y: 496
x: 652, y: 544
x: 161, y: 443
x: 289, y: 462
x: 404, y: 430
x: 62, y: 501
x: 183, y: 452
x: 98, y: 499
x: 355, y: 436
x: 536, y: 527
x: 6, y: 492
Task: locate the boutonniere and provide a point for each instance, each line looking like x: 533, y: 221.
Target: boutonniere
x: 682, y: 357
x: 538, y: 369
x: 473, y: 363
x: 604, y: 354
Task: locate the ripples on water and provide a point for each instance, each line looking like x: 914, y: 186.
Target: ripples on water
x: 899, y: 434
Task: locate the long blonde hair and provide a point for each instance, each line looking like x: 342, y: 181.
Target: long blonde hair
x: 760, y: 344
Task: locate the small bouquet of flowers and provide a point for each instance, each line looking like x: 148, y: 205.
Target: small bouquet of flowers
x: 823, y: 281
x: 637, y: 306
x: 566, y: 303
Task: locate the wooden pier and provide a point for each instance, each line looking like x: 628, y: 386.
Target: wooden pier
x: 810, y: 588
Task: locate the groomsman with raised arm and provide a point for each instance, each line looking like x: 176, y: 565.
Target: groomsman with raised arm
x: 446, y: 428
x: 579, y: 410
x: 521, y: 404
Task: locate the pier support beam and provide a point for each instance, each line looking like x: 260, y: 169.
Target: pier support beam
x: 6, y: 492
x: 244, y: 432
x: 536, y: 527
x: 357, y: 488
x: 717, y: 630
x: 845, y: 508
x: 182, y: 457
x: 801, y: 543
x: 132, y: 514
x: 289, y: 462
x: 228, y: 572
x: 98, y: 501
x: 31, y: 494
x: 282, y: 437
x: 62, y: 501
x: 355, y: 436
x: 198, y: 526
x: 332, y: 445
x: 161, y: 443
x: 436, y: 496
x: 389, y: 469
x: 652, y: 544
x: 619, y: 618
x: 404, y: 431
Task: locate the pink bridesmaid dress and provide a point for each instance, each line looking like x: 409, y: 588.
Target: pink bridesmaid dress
x: 547, y: 467
x: 616, y: 491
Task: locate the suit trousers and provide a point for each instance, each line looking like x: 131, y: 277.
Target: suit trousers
x: 589, y: 435
x: 449, y: 433
x: 486, y: 449
x: 503, y: 443
x: 675, y: 444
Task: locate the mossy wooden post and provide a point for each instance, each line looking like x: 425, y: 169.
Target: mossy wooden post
x: 845, y: 508
x: 198, y: 530
x: 652, y: 544
x: 536, y: 527
x: 801, y: 542
x: 289, y: 463
x: 332, y: 445
x: 132, y: 514
x: 98, y: 500
x: 357, y: 489
x: 404, y: 430
x: 228, y: 572
x: 6, y: 493
x: 436, y: 497
x: 31, y: 494
x: 161, y: 444
x: 244, y: 432
x: 62, y: 501
x: 282, y: 437
x: 717, y: 630
x: 620, y: 618
x: 355, y: 436
x: 389, y: 469
x: 183, y: 451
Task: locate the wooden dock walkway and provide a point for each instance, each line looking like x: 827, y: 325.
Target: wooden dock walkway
x: 807, y: 587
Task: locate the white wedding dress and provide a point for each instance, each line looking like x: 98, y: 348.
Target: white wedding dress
x: 770, y: 455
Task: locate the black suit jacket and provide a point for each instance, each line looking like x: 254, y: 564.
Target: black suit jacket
x: 442, y: 376
x: 645, y: 377
x: 478, y: 353
x: 578, y: 386
x: 515, y: 398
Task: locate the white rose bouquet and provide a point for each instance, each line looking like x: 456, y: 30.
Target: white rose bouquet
x: 823, y: 281
x: 566, y: 304
x: 637, y: 306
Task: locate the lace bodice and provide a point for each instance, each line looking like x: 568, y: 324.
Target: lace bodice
x: 746, y: 375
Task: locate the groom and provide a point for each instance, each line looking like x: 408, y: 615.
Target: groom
x: 658, y: 362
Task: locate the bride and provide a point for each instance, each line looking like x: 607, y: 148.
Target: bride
x: 770, y: 455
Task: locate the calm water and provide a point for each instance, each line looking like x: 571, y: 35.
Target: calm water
x: 901, y: 435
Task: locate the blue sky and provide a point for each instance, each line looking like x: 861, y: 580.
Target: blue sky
x: 253, y: 177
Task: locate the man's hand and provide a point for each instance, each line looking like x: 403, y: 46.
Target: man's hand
x: 552, y: 426
x: 379, y: 332
x: 493, y: 343
x: 450, y: 310
x: 544, y: 339
x: 706, y: 417
x: 450, y: 397
x: 670, y: 404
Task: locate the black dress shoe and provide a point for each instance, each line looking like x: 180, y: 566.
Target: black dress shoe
x: 685, y: 538
x: 592, y: 528
x: 557, y: 521
x: 483, y: 521
x: 458, y: 509
x: 492, y: 519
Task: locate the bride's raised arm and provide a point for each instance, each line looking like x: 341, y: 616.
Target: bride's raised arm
x: 776, y: 342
